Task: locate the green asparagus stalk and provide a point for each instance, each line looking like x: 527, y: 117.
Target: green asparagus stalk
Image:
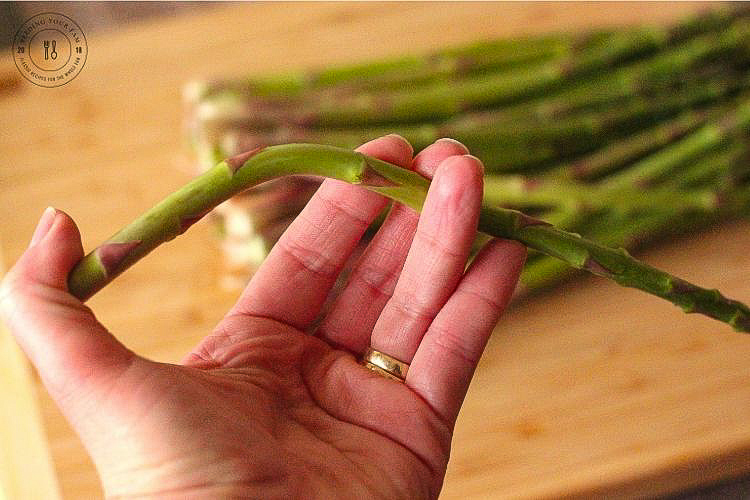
x: 524, y: 193
x: 633, y: 225
x: 634, y: 216
x: 659, y: 165
x: 521, y: 192
x: 441, y: 100
x: 619, y: 153
x: 210, y: 114
x: 704, y: 85
x: 520, y: 135
x: 512, y: 144
x: 177, y: 212
x: 515, y: 192
x: 451, y: 64
x: 714, y: 82
x: 720, y: 168
x: 612, y: 230
x: 633, y: 231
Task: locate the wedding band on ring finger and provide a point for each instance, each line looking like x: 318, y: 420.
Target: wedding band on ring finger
x: 385, y: 365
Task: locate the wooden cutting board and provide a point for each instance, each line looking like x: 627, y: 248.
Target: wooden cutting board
x: 589, y: 389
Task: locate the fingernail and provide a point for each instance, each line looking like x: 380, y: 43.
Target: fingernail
x: 397, y: 136
x: 479, y: 162
x: 452, y: 141
x: 43, y: 226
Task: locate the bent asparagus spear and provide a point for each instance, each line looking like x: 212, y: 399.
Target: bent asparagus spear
x: 176, y: 213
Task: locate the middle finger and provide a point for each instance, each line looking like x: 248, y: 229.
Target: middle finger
x: 436, y: 259
x: 353, y: 315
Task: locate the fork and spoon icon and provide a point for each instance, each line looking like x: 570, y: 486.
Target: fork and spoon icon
x: 48, y: 54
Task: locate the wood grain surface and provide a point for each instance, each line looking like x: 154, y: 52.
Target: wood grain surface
x: 589, y: 389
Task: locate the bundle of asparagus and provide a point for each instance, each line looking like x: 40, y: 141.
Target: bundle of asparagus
x: 621, y: 136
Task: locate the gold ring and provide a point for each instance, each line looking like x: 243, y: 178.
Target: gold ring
x: 385, y: 365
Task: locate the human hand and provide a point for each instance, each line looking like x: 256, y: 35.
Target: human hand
x: 265, y: 407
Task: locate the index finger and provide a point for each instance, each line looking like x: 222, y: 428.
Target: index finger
x: 294, y: 281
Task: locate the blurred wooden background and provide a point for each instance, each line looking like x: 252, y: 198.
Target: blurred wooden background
x: 587, y: 390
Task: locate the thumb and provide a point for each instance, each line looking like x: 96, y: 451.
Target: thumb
x: 70, y: 349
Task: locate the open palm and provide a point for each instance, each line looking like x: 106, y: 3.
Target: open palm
x: 273, y: 403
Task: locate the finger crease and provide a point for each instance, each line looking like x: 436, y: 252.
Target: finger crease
x: 348, y: 213
x: 311, y: 260
x: 496, y: 305
x: 414, y: 310
x: 437, y: 243
x: 453, y: 345
x: 378, y: 279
